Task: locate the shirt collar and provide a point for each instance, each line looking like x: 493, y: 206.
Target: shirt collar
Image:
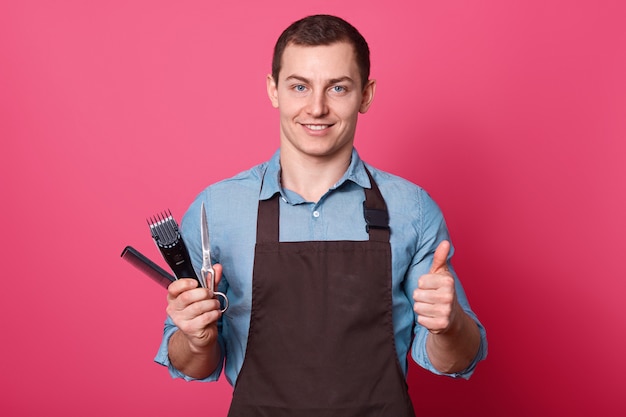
x: 271, y: 179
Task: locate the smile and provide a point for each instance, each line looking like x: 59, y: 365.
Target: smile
x: 317, y: 127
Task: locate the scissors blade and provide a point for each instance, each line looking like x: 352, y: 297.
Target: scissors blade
x: 204, y: 225
x: 206, y: 247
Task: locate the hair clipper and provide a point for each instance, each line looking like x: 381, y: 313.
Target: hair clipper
x: 168, y: 239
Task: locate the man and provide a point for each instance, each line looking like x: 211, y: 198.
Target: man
x: 334, y: 270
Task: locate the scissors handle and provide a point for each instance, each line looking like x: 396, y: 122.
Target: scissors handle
x: 210, y: 284
x: 224, y: 300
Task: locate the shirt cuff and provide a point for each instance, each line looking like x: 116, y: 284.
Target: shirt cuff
x: 162, y: 357
x: 420, y: 355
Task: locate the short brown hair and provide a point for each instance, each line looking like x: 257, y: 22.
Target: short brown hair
x: 319, y: 30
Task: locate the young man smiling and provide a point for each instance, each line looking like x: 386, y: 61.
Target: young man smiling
x: 319, y: 94
x: 335, y: 271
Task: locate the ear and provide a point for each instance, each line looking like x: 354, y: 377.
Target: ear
x: 272, y: 90
x: 368, y: 96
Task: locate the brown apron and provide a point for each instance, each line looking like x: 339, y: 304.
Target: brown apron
x: 321, y: 340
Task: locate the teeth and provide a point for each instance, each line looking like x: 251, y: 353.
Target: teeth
x: 317, y: 127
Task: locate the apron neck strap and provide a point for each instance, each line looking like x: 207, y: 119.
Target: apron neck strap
x: 374, y: 212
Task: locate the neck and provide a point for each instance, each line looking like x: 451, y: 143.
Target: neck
x: 312, y: 177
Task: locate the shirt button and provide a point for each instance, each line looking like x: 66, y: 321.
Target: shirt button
x: 316, y: 213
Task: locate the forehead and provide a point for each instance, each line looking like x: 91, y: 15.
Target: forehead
x: 320, y: 62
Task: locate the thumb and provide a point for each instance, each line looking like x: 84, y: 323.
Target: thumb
x: 440, y: 259
x: 218, y: 274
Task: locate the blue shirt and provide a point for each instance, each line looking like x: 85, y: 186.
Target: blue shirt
x: 417, y: 227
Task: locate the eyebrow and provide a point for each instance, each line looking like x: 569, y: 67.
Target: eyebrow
x: 329, y: 82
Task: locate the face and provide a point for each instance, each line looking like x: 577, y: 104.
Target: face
x: 319, y: 96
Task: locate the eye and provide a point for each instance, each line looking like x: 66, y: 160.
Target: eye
x: 299, y: 88
x: 338, y: 89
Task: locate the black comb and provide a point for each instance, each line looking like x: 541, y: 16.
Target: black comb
x: 137, y: 259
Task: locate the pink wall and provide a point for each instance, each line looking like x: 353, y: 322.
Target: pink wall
x: 511, y: 114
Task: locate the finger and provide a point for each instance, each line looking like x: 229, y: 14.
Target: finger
x: 191, y: 305
x: 428, y: 282
x: 202, y: 307
x: 440, y: 259
x: 434, y: 317
x: 180, y: 286
x: 197, y: 318
x: 434, y: 325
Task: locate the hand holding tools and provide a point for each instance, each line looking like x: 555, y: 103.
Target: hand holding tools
x: 166, y: 235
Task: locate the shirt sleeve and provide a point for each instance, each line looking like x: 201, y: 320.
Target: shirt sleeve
x: 162, y: 356
x: 433, y: 230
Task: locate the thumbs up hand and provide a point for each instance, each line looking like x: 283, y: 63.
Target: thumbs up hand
x: 435, y: 299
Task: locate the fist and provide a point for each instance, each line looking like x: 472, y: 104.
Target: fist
x: 194, y: 310
x: 435, y: 295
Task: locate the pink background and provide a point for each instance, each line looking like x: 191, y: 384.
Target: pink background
x: 511, y: 114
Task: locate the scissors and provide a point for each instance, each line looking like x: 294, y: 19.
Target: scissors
x: 207, y: 267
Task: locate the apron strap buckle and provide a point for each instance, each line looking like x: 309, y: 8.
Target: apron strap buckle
x: 375, y: 218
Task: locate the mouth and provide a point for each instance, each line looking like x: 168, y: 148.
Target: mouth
x: 317, y: 127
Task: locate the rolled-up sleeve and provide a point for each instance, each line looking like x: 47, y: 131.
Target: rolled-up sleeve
x: 432, y: 230
x: 162, y: 356
x: 420, y: 356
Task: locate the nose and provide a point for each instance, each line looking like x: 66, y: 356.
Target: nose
x: 318, y: 106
